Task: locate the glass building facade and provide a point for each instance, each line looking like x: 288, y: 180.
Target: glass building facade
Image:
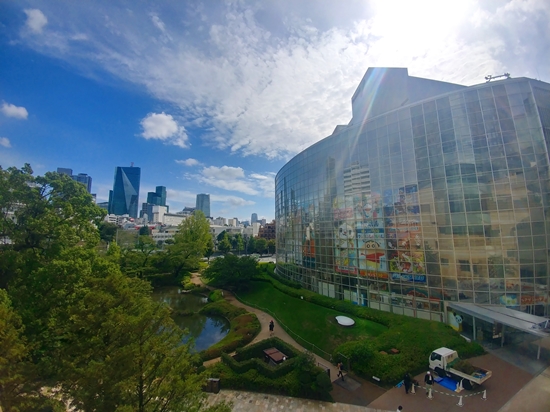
x: 433, y: 192
x: 203, y: 204
x: 124, y: 197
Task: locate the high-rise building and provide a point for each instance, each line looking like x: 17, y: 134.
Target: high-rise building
x: 254, y: 218
x: 156, y: 198
x: 431, y: 201
x: 124, y: 197
x: 203, y: 204
x: 81, y: 177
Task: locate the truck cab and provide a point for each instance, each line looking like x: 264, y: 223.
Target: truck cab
x: 441, y: 357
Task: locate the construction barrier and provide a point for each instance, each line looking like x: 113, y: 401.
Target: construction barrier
x: 459, y: 388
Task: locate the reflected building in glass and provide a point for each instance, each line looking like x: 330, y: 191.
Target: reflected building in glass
x: 433, y: 192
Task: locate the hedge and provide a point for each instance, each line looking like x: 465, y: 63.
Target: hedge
x: 272, y: 372
x: 256, y: 350
x: 244, y: 326
x: 285, y: 379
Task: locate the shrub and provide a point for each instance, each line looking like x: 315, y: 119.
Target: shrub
x: 244, y: 328
x: 215, y: 295
x: 294, y: 377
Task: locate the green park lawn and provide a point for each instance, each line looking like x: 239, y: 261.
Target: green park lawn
x: 313, y: 323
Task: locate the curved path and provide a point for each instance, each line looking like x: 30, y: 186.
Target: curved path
x: 264, y: 319
x: 532, y: 394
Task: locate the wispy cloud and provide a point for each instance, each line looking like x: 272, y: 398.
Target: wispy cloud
x: 5, y: 142
x: 189, y: 162
x: 162, y: 126
x: 235, y: 179
x: 10, y: 110
x: 35, y: 20
x: 271, y: 78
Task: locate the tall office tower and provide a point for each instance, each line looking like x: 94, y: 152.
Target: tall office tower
x: 125, y: 194
x: 254, y: 218
x: 65, y: 171
x: 156, y: 198
x: 81, y: 177
x: 203, y: 204
x: 84, y: 179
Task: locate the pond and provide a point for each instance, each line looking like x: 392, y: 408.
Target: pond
x: 206, y: 330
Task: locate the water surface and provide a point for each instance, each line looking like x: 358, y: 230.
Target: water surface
x: 206, y: 330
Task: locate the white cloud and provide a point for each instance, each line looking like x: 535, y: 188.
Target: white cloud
x: 232, y: 201
x: 4, y: 141
x: 188, y: 162
x: 234, y: 179
x: 271, y: 78
x: 163, y: 127
x: 35, y: 20
x: 11, y: 110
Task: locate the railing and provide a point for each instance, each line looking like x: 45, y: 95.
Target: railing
x: 304, y: 343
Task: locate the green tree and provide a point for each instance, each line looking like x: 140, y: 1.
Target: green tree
x: 238, y: 243
x: 41, y: 216
x: 190, y: 244
x: 138, y: 260
x: 231, y: 271
x: 220, y: 236
x: 77, y: 322
x: 17, y: 385
x: 144, y: 231
x: 271, y: 246
x: 251, y: 246
x: 209, y: 249
x: 224, y: 245
x: 107, y: 231
x: 127, y: 239
x: 260, y: 245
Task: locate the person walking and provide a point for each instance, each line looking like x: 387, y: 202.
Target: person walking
x: 340, y: 370
x: 429, y: 381
x: 407, y: 382
x: 271, y: 327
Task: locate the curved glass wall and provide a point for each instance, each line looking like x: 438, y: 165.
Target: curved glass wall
x: 444, y: 199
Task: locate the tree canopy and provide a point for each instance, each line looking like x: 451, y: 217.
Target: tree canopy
x: 231, y: 271
x: 190, y: 244
x: 70, y: 318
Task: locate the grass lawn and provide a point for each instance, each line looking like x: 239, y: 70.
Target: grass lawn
x: 314, y: 323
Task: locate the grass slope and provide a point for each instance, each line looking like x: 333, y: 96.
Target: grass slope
x: 312, y: 322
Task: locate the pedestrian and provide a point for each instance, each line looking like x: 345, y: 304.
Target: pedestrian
x: 407, y: 382
x: 271, y: 327
x: 399, y: 408
x: 340, y: 370
x: 429, y: 381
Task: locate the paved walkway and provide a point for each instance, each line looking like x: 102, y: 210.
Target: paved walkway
x: 264, y: 319
x: 509, y: 390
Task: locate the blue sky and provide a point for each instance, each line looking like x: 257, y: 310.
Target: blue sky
x: 215, y: 97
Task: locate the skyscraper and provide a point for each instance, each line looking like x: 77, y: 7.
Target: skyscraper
x: 81, y: 177
x: 203, y: 204
x: 156, y: 198
x: 124, y: 197
x: 254, y: 218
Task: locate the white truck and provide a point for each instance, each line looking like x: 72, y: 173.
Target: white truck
x: 442, y: 361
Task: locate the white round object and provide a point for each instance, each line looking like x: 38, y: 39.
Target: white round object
x: 345, y: 321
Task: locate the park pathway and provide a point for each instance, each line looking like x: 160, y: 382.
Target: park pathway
x: 264, y: 319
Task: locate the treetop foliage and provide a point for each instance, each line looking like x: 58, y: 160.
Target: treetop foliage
x: 70, y: 318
